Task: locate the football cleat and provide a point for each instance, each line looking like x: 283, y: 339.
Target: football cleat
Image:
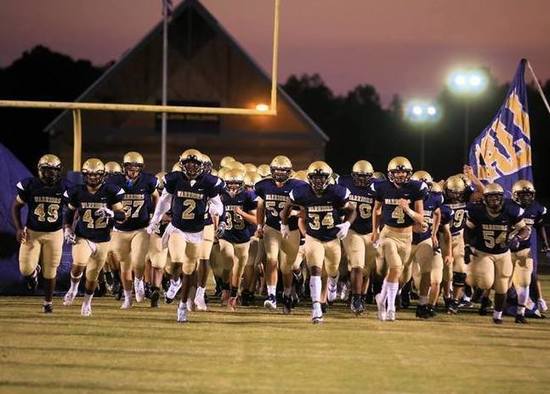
x: 357, y: 305
x: 381, y: 305
x: 332, y: 287
x: 431, y: 311
x: 155, y: 297
x: 464, y: 303
x: 390, y: 315
x: 47, y: 308
x: 316, y: 313
x: 497, y: 321
x: 148, y: 290
x: 69, y: 298
x: 200, y: 303
x: 86, y: 309
x: 245, y: 298
x: 32, y: 284
x: 484, y: 307
x: 520, y: 319
x: 270, y: 302
x: 139, y: 289
x: 324, y: 307
x: 172, y: 290
x: 127, y: 303
x: 182, y: 313
x: 422, y: 311
x: 452, y: 307
x: 287, y: 304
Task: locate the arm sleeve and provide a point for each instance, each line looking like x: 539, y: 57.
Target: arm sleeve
x: 215, y: 206
x: 23, y: 191
x: 163, y: 206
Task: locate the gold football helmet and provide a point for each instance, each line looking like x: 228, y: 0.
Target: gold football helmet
x: 422, y: 176
x: 249, y: 167
x: 160, y: 179
x: 206, y: 164
x: 226, y: 160
x: 191, y: 163
x: 222, y: 171
x: 251, y: 178
x: 361, y: 172
x: 399, y: 165
x: 379, y: 175
x: 493, y: 197
x: 236, y: 165
x: 176, y: 167
x: 213, y: 172
x: 93, y: 171
x: 280, y: 168
x: 436, y: 187
x: 263, y: 170
x: 112, y: 168
x: 523, y: 192
x: 49, y: 169
x: 234, y: 181
x: 134, y: 158
x: 301, y: 175
x: 319, y: 175
x: 455, y: 188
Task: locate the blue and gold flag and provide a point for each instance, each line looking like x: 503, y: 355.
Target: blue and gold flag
x: 502, y: 152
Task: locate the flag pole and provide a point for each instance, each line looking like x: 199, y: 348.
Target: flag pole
x: 539, y: 88
x: 164, y: 81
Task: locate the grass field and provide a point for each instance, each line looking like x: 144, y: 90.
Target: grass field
x: 145, y: 350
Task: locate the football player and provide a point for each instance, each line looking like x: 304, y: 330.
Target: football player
x: 96, y: 202
x: 523, y: 193
x: 41, y: 238
x: 491, y: 229
x: 401, y: 201
x: 322, y: 203
x: 130, y: 238
x: 188, y: 194
x: 112, y: 266
x: 239, y: 216
x: 273, y: 193
x: 359, y: 249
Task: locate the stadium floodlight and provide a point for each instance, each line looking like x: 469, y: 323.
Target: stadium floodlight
x: 422, y: 113
x: 467, y: 82
x: 262, y: 107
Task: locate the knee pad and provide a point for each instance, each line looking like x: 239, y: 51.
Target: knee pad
x: 459, y: 279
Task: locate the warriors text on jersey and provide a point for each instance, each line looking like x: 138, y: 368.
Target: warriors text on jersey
x: 137, y: 201
x: 190, y: 198
x: 363, y: 200
x: 432, y: 202
x: 45, y: 203
x: 237, y: 229
x: 322, y: 212
x: 389, y: 194
x: 89, y: 225
x: 490, y: 234
x: 274, y: 200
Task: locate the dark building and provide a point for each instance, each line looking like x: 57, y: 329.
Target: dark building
x: 206, y: 67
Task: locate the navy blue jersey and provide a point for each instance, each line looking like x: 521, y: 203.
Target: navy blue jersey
x: 533, y: 215
x: 274, y: 201
x: 45, y: 203
x: 446, y: 215
x: 363, y: 200
x: 490, y: 234
x: 207, y: 216
x: 137, y: 201
x: 432, y: 202
x: 459, y: 211
x: 189, y: 203
x: 237, y: 229
x: 389, y: 194
x: 322, y: 212
x: 89, y: 225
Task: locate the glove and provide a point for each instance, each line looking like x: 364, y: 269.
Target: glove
x: 514, y: 243
x: 468, y: 253
x: 69, y: 236
x: 105, y: 213
x: 343, y: 230
x: 285, y: 230
x: 152, y: 228
x: 220, y: 230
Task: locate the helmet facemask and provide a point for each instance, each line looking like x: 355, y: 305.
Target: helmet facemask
x: 93, y: 179
x: 494, y: 202
x: 319, y: 181
x: 525, y: 198
x: 280, y: 174
x: 399, y: 176
x: 191, y: 167
x: 361, y: 179
x: 49, y: 175
x: 132, y: 170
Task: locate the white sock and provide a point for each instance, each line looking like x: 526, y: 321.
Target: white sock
x: 175, y: 282
x: 391, y: 291
x: 128, y: 295
x: 315, y: 288
x: 384, y: 291
x: 423, y: 300
x: 88, y: 298
x: 74, y: 286
x: 182, y: 305
x: 200, y: 292
x: 48, y: 303
x: 271, y: 290
x: 466, y: 298
x: 497, y: 315
x: 523, y: 295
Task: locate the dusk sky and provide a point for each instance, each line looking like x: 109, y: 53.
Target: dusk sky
x: 399, y: 46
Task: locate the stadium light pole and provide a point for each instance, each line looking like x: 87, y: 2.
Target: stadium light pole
x: 422, y: 113
x: 468, y: 83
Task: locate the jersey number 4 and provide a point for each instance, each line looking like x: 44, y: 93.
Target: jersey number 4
x: 88, y: 218
x: 51, y: 214
x: 398, y: 214
x: 316, y: 222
